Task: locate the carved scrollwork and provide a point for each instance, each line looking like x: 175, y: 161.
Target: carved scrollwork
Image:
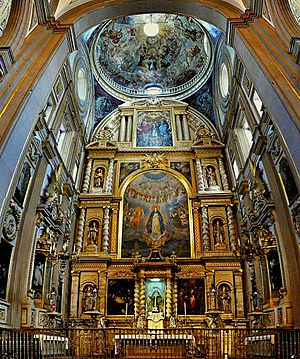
x: 12, y: 222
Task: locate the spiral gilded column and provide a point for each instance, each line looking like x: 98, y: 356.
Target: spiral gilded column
x: 175, y: 298
x: 110, y: 176
x: 205, y: 229
x: 87, y: 176
x: 136, y: 298
x: 142, y: 297
x: 200, y: 178
x: 169, y: 298
x: 105, y: 242
x: 79, y: 239
x: 231, y: 228
x: 223, y: 175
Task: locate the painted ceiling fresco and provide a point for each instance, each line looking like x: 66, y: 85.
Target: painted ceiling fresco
x: 127, y: 61
x: 202, y: 99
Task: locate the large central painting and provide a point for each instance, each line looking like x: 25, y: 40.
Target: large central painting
x: 155, y: 216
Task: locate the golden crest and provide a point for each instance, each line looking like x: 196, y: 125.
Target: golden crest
x: 155, y: 160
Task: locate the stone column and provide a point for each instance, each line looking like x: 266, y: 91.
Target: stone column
x: 169, y: 297
x: 136, y: 297
x: 223, y: 175
x: 79, y: 239
x: 129, y: 128
x: 185, y: 126
x: 87, y: 176
x: 200, y: 178
x: 178, y: 127
x: 74, y: 295
x: 110, y: 177
x: 231, y: 228
x: 122, y: 132
x: 105, y: 232
x: 205, y: 229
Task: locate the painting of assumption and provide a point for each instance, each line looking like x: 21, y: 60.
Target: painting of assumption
x: 153, y: 129
x: 120, y: 297
x: 155, y: 215
x: 191, y: 297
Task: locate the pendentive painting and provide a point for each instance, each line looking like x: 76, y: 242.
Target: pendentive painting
x: 191, y: 297
x: 120, y: 297
x: 155, y: 215
x: 183, y: 168
x: 153, y: 129
x: 126, y: 168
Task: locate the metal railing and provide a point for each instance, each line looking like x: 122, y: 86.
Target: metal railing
x: 124, y: 343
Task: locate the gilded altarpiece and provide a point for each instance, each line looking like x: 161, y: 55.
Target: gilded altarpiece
x: 156, y: 235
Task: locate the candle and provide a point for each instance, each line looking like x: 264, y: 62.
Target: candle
x: 184, y: 306
x: 126, y: 309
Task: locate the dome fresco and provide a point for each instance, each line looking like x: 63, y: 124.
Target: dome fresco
x: 129, y: 63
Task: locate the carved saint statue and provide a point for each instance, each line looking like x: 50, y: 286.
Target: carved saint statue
x: 89, y: 298
x: 93, y: 232
x: 224, y: 298
x: 218, y: 231
x: 99, y: 177
x: 211, y: 176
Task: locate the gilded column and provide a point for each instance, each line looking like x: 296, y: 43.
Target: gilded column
x: 197, y: 234
x: 178, y: 127
x: 129, y: 128
x: 169, y: 297
x: 105, y: 242
x: 110, y: 177
x: 205, y: 229
x: 175, y: 297
x: 79, y: 239
x: 200, y: 178
x: 74, y: 295
x: 239, y: 300
x: 142, y: 295
x: 185, y: 126
x: 102, y: 283
x: 87, y: 176
x: 136, y: 297
x: 223, y: 175
x: 114, y: 230
x: 231, y: 228
x: 122, y: 129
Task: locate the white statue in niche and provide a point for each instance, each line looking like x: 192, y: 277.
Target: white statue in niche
x: 211, y: 179
x: 99, y: 178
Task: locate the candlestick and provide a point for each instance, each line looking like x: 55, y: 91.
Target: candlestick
x: 126, y: 309
x: 184, y: 307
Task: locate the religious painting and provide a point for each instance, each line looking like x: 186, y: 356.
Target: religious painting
x: 191, y: 297
x: 120, y: 297
x: 275, y: 273
x: 5, y: 254
x: 155, y: 215
x: 183, y: 168
x: 155, y: 296
x: 23, y: 183
x: 153, y: 129
x: 38, y: 275
x: 126, y: 168
x: 288, y: 180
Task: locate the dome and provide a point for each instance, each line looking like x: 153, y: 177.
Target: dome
x: 135, y: 56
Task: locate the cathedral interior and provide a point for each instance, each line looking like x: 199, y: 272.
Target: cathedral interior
x: 149, y: 160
